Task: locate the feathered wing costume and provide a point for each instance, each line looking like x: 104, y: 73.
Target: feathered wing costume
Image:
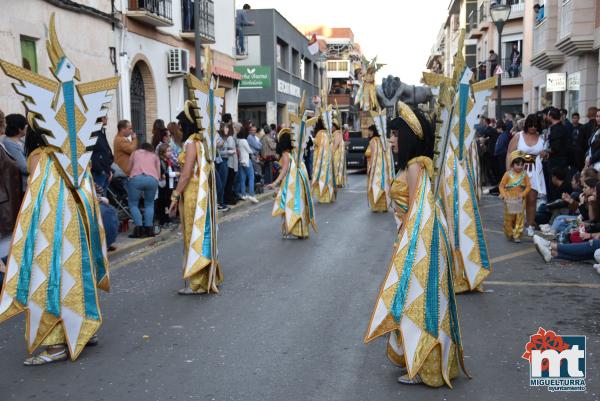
x: 462, y: 203
x: 199, y: 200
x: 58, y: 257
x: 416, y: 304
x: 294, y: 200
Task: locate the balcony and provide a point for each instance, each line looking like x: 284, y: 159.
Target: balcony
x: 152, y: 12
x: 511, y: 74
x: 472, y: 27
x: 545, y: 54
x: 484, y: 20
x: 517, y: 10
x: 206, y: 21
x: 575, y: 20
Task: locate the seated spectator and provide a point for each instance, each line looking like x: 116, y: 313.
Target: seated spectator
x: 144, y: 174
x: 571, y: 202
x: 584, y: 240
x: 110, y: 219
x: 560, y: 185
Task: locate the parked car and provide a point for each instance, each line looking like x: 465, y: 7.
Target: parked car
x: 355, y: 159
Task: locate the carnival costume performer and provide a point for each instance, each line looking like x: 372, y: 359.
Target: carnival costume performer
x: 339, y: 155
x: 294, y: 201
x: 366, y: 97
x: 196, y: 191
x: 58, y: 257
x: 416, y: 304
x: 323, y: 180
x: 380, y: 165
x: 462, y: 209
x: 514, y: 187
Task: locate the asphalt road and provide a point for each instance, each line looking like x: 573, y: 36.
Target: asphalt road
x: 289, y: 322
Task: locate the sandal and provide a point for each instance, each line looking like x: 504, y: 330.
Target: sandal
x: 404, y: 379
x: 189, y: 291
x: 45, y: 358
x: 93, y: 341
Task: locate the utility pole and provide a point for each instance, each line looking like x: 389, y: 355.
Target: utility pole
x: 197, y: 42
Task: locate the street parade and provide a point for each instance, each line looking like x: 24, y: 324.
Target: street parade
x: 281, y: 217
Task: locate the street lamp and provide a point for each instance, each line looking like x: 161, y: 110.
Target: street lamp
x: 500, y: 14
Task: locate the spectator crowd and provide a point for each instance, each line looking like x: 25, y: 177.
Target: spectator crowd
x: 561, y: 157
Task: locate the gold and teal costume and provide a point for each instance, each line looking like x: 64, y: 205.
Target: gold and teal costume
x: 416, y: 304
x: 199, y: 198
x: 462, y: 103
x: 379, y: 175
x: 199, y: 220
x: 380, y: 166
x: 58, y: 259
x: 294, y: 201
x: 323, y: 180
x: 339, y: 159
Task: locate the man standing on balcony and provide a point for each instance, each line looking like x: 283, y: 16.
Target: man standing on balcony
x: 493, y: 62
x: 241, y: 21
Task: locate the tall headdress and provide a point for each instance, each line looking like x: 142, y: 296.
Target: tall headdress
x: 299, y: 124
x: 67, y: 113
x: 208, y: 102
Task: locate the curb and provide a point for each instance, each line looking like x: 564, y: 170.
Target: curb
x: 167, y: 234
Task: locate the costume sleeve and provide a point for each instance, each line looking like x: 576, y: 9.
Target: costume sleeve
x: 502, y: 185
x: 368, y: 151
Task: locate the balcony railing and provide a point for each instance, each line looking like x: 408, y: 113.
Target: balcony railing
x: 206, y: 20
x: 486, y: 70
x: 517, y: 10
x: 154, y: 12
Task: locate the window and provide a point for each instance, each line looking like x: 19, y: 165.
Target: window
x: 307, y: 68
x: 316, y: 75
x: 28, y: 54
x: 295, y: 62
x: 282, y: 54
x: 471, y: 55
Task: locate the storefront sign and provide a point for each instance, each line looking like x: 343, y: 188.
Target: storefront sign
x: 556, y: 82
x: 574, y: 81
x: 254, y: 76
x: 288, y: 88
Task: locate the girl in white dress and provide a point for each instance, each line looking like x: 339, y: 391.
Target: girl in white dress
x: 532, y: 144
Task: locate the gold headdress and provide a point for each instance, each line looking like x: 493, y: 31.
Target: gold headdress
x: 409, y: 116
x: 55, y: 50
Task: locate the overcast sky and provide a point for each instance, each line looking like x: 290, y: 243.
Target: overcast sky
x: 400, y: 33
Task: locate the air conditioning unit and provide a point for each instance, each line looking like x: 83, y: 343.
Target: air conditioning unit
x: 178, y: 61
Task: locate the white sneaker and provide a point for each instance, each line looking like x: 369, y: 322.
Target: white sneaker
x: 252, y: 199
x: 544, y: 252
x: 530, y: 231
x: 597, y: 255
x: 538, y: 240
x: 245, y: 197
x: 545, y: 227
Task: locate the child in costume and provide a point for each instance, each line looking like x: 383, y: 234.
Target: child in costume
x: 513, y: 188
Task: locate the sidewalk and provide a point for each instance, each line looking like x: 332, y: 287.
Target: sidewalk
x: 126, y: 245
